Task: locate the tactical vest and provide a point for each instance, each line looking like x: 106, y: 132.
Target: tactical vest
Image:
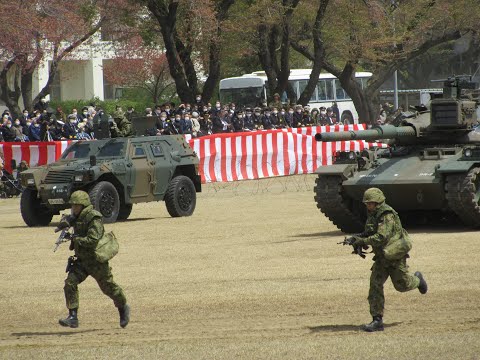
x: 106, y: 247
x: 399, y: 244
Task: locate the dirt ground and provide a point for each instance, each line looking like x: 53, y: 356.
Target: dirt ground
x: 255, y: 273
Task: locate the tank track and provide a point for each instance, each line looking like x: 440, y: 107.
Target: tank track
x: 344, y: 212
x: 462, y: 194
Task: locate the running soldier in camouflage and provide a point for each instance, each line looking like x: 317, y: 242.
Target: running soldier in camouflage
x: 88, y: 231
x: 390, y: 244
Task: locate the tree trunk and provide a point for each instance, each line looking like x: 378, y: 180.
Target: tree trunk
x: 318, y: 54
x: 167, y: 17
x: 211, y: 84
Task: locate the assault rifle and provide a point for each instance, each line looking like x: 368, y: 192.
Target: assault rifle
x: 358, y: 250
x: 65, y: 235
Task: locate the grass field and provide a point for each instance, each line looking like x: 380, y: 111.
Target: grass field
x: 255, y: 273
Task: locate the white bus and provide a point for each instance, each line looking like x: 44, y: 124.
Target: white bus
x: 251, y: 90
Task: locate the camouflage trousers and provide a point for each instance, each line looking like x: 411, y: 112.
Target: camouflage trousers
x: 102, y: 273
x: 401, y: 279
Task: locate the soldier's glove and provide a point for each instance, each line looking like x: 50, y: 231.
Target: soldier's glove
x: 349, y: 240
x: 358, y: 241
x: 65, y: 222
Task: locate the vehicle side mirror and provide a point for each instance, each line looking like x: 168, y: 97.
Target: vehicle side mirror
x: 175, y: 156
x: 13, y: 164
x: 93, y: 160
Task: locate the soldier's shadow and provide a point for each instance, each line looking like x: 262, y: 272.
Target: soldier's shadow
x: 320, y: 234
x: 53, y: 333
x: 136, y: 219
x: 342, y: 328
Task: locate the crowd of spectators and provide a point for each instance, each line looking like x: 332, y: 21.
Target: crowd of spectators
x: 197, y: 119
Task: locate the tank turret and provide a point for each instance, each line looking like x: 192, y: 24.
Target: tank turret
x: 430, y: 171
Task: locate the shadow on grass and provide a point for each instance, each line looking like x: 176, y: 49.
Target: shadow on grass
x: 342, y: 328
x: 53, y: 333
x: 137, y: 219
x: 321, y: 234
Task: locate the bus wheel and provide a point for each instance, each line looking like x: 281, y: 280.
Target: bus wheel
x: 347, y: 119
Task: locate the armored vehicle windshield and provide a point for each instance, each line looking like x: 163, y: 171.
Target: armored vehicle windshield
x: 100, y: 148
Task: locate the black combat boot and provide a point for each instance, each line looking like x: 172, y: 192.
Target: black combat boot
x: 375, y: 325
x: 422, y: 287
x: 71, y: 320
x: 124, y: 315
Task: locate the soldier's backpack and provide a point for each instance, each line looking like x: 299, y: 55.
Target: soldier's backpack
x: 398, y: 247
x: 107, y: 247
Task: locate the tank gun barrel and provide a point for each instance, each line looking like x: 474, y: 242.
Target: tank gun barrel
x: 375, y: 133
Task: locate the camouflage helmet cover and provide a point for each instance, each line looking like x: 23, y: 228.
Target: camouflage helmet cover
x: 373, y: 195
x: 80, y: 197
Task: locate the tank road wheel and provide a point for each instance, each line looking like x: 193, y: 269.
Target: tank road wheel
x: 105, y: 199
x: 33, y: 212
x: 463, y: 196
x: 125, y: 211
x: 346, y: 213
x: 181, y: 197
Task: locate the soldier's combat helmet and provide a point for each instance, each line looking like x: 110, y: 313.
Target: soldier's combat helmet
x: 80, y: 197
x: 373, y: 195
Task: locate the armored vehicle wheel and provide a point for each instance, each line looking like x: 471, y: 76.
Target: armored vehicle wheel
x: 181, y: 197
x: 346, y: 213
x: 105, y: 199
x: 463, y: 196
x: 33, y: 212
x: 125, y: 211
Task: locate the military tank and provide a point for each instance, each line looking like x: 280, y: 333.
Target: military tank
x: 430, y: 170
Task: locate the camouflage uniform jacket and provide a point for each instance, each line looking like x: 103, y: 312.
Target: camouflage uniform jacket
x: 123, y: 129
x: 88, y: 232
x: 383, y: 225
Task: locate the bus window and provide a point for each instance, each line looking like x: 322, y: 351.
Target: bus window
x: 302, y: 84
x: 339, y: 92
x: 363, y: 82
x: 325, y: 90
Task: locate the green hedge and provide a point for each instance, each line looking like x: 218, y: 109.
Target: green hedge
x: 107, y: 105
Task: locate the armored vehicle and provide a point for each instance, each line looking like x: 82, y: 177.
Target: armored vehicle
x: 430, y: 170
x: 117, y: 173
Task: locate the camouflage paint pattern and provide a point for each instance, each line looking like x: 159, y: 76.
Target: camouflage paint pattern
x: 88, y: 228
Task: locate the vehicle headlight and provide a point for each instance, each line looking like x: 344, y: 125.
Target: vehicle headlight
x: 31, y: 181
x: 78, y: 178
x: 468, y: 152
x: 351, y: 155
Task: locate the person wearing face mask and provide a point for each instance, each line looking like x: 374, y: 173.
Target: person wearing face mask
x: 239, y: 122
x: 130, y: 113
x: 198, y: 101
x: 69, y: 129
x: 257, y: 118
x: 289, y: 117
x: 19, y: 135
x: 84, y: 113
x: 218, y: 108
x: 275, y: 118
x: 267, y: 120
x: 249, y: 122
x: 33, y: 131
x: 42, y: 105
x: 25, y: 116
x: 161, y: 123
x: 8, y: 132
x: 298, y: 116
x: 186, y: 124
